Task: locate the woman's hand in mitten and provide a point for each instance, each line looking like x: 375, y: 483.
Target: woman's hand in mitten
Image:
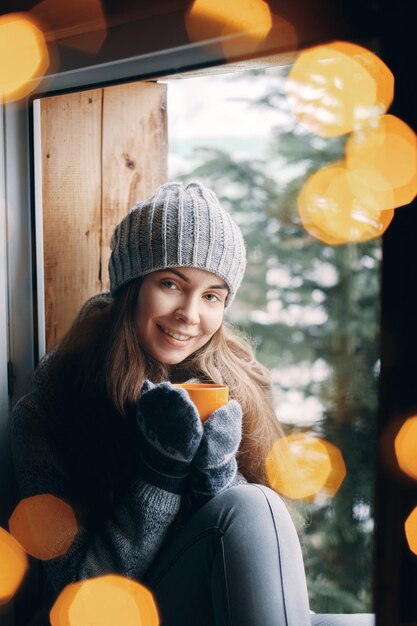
x: 170, y: 432
x: 214, y: 465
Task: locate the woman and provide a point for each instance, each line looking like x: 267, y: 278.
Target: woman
x: 183, y: 508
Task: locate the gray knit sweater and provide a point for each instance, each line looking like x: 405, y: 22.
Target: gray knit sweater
x: 127, y: 540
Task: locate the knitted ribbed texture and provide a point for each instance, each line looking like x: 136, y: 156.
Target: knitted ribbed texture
x: 179, y: 226
x: 215, y: 465
x: 126, y: 542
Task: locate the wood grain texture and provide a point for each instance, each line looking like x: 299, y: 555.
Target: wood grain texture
x: 102, y: 151
x: 134, y: 152
x: 71, y: 186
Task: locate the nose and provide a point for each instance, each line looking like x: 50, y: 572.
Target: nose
x: 188, y: 311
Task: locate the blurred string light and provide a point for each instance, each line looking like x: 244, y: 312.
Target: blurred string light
x: 105, y: 601
x: 341, y: 88
x: 23, y: 56
x: 334, y: 87
x: 44, y: 525
x: 398, y: 445
x: 315, y: 467
x: 242, y: 25
x: 383, y: 155
x: 64, y: 19
x: 331, y: 212
x: 13, y: 566
x: 405, y: 445
x: 411, y: 530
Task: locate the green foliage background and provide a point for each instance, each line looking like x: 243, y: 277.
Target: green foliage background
x: 337, y: 288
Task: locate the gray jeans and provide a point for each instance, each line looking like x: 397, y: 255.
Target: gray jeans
x: 237, y: 562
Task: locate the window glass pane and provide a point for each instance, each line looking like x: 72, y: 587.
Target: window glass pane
x: 311, y: 308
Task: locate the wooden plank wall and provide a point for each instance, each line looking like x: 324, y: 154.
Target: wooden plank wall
x: 102, y: 151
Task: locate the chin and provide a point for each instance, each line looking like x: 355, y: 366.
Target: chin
x: 170, y: 359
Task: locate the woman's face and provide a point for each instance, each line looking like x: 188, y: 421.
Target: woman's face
x: 184, y: 301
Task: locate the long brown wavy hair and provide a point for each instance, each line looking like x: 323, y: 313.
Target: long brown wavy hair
x: 100, y: 368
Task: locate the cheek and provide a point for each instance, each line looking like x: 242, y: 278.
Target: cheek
x: 149, y: 305
x: 213, y: 323
x: 143, y: 314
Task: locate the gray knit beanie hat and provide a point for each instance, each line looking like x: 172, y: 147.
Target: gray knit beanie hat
x: 179, y: 226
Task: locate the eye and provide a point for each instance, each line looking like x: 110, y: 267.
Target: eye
x: 215, y: 296
x: 166, y: 283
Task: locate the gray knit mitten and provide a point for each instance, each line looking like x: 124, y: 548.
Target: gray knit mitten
x: 214, y: 466
x: 170, y: 432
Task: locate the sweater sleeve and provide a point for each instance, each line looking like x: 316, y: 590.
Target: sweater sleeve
x: 239, y: 479
x: 125, y: 543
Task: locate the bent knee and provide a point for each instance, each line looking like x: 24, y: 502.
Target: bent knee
x: 254, y: 502
x: 253, y: 494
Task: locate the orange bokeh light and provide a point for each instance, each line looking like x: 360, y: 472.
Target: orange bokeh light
x: 331, y: 212
x: 23, y: 56
x: 105, y: 601
x: 384, y: 155
x: 337, y: 472
x: 411, y: 530
x: 332, y: 88
x: 405, y: 445
x: 13, y: 566
x: 78, y: 24
x: 44, y: 525
x: 251, y: 20
x: 315, y: 467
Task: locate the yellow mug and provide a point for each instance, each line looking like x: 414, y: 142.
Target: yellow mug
x: 206, y: 397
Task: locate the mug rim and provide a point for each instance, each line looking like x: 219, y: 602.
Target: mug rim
x: 200, y: 385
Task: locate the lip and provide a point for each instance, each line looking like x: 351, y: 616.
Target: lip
x: 171, y: 340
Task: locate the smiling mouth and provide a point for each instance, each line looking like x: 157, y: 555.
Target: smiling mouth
x: 177, y: 337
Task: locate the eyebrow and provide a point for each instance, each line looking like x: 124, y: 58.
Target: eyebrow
x: 187, y: 280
